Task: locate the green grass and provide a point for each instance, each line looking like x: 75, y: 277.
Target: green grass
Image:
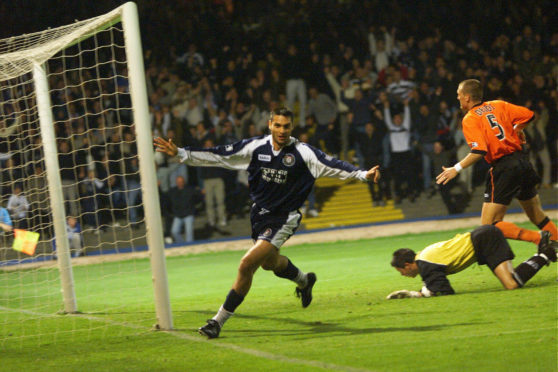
x: 349, y: 326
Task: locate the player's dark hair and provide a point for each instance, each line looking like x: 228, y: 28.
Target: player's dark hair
x: 473, y: 88
x: 403, y: 256
x: 282, y: 111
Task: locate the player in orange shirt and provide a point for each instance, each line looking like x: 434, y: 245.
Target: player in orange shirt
x: 494, y: 130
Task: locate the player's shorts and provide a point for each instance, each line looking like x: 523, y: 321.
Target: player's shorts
x: 275, y: 228
x: 491, y: 248
x: 511, y: 176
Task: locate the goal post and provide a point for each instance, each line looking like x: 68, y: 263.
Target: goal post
x: 80, y: 83
x: 130, y: 24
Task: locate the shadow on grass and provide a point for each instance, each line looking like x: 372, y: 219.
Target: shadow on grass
x: 314, y: 329
x: 497, y: 289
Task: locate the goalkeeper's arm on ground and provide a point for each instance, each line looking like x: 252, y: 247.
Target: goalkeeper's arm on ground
x: 403, y: 293
x: 435, y: 279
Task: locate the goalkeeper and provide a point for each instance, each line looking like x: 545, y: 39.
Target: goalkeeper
x: 485, y: 245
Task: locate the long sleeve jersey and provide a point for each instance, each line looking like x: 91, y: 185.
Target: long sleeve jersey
x: 440, y: 259
x: 279, y: 181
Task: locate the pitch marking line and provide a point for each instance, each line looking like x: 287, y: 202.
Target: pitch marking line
x: 184, y: 336
x: 254, y: 352
x: 267, y: 355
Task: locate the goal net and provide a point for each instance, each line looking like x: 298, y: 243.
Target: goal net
x: 76, y: 164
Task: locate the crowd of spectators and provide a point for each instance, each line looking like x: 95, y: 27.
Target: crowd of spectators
x: 371, y: 82
x: 97, y: 155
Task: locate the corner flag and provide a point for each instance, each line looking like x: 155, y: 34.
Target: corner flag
x: 25, y: 241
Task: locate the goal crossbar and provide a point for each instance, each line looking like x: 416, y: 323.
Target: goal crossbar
x: 36, y: 48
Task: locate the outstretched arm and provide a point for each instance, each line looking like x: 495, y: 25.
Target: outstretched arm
x: 5, y: 227
x: 451, y: 172
x: 403, y: 293
x: 374, y: 174
x: 323, y: 165
x: 234, y: 156
x: 435, y: 282
x: 166, y: 147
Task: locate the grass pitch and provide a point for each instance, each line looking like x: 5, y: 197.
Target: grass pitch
x: 348, y: 327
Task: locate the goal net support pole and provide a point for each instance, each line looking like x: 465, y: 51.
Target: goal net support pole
x: 55, y: 188
x: 138, y: 92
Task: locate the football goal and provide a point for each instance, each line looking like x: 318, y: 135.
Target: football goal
x: 79, y: 195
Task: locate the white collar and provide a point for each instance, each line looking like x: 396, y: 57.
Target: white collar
x: 276, y: 152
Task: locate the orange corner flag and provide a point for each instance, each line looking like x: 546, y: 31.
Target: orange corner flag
x: 25, y: 241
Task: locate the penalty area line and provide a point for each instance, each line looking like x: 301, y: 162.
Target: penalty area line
x: 215, y: 343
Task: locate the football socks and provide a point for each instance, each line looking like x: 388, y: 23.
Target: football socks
x: 526, y: 270
x: 549, y: 226
x: 292, y: 272
x: 222, y: 316
x: 512, y: 231
x: 232, y: 301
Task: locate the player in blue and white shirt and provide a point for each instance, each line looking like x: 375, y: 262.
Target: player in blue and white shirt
x: 282, y: 172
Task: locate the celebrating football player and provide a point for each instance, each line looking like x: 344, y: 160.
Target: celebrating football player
x: 282, y: 172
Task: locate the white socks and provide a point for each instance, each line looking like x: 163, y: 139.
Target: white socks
x: 222, y: 316
x: 301, y: 279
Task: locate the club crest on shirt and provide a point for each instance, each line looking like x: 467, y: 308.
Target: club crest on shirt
x: 288, y: 160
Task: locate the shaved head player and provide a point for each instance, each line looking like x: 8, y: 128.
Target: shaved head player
x: 494, y: 130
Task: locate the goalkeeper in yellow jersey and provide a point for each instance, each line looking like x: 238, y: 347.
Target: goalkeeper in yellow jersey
x: 485, y: 245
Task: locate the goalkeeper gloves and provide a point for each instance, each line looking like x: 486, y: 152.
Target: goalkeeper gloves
x: 403, y: 294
